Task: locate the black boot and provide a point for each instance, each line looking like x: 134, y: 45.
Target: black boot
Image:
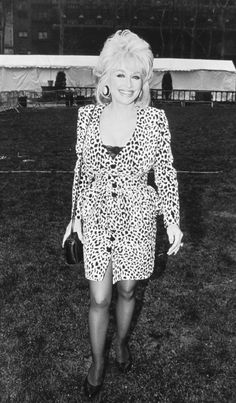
x: 90, y: 390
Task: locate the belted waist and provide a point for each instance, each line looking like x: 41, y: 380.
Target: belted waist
x: 118, y: 181
x: 119, y: 191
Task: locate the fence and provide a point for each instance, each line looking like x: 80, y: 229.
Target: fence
x: 192, y: 96
x: 8, y: 100
x: 83, y: 95
x: 69, y: 95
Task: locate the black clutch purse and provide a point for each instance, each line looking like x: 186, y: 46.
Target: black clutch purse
x: 162, y: 242
x: 73, y: 249
x: 161, y: 249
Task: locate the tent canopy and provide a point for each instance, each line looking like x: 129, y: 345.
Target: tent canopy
x: 46, y: 61
x: 196, y: 74
x: 163, y: 64
x: 30, y: 72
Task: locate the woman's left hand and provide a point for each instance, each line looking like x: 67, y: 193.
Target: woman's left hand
x: 175, y: 236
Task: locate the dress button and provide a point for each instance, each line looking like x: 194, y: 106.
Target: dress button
x: 108, y: 249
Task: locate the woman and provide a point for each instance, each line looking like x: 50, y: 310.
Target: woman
x: 119, y: 141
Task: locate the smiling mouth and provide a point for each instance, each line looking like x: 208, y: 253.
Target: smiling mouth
x: 128, y: 93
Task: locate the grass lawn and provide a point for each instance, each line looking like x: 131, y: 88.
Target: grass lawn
x: 183, y: 337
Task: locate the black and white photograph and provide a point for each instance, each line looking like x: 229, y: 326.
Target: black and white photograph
x: 117, y: 201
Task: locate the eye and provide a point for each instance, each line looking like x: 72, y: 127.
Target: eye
x: 120, y: 75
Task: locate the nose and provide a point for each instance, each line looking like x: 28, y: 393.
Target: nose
x: 128, y: 82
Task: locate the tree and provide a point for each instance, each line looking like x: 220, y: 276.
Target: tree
x: 194, y: 29
x: 161, y: 31
x: 61, y: 8
x: 2, y: 26
x: 171, y: 25
x: 60, y: 83
x: 222, y: 5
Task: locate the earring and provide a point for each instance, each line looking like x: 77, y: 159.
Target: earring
x: 106, y: 91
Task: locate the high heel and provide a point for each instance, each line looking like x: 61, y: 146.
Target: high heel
x: 125, y: 366
x: 91, y: 391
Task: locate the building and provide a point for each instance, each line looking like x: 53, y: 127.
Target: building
x: 6, y: 27
x: 174, y: 28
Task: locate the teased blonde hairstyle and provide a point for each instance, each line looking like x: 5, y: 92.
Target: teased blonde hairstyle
x: 118, y: 48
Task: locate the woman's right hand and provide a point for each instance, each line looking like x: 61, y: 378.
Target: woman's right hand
x: 77, y: 228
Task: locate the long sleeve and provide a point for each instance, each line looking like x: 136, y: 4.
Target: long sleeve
x: 165, y: 173
x: 80, y: 181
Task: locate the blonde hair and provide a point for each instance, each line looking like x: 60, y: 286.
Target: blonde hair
x: 117, y: 48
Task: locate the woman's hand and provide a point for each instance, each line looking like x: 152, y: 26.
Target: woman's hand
x: 77, y: 228
x: 175, y: 236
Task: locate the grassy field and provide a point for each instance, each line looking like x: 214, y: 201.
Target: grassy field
x: 183, y: 335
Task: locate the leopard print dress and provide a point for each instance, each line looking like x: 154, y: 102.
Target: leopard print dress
x: 117, y: 206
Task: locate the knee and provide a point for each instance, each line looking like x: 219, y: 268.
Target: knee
x: 126, y: 293
x: 99, y: 302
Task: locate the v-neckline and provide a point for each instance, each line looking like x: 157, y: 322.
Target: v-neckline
x: 122, y: 147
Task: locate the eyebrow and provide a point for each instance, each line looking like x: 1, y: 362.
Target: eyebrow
x: 124, y: 71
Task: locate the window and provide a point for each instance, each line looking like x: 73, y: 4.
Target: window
x: 22, y: 14
x: 23, y: 34
x: 73, y: 6
x: 8, y: 51
x: 72, y: 21
x: 42, y: 35
x: 44, y: 15
x: 22, y: 5
x: 40, y: 15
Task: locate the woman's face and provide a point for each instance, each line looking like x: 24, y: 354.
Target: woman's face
x: 125, y: 83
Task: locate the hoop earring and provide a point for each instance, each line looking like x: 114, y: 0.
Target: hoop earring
x: 106, y: 91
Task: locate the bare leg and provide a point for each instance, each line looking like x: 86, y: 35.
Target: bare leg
x: 100, y: 298
x: 124, y: 312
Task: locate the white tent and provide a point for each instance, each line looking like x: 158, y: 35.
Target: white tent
x: 196, y: 74
x: 30, y: 72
